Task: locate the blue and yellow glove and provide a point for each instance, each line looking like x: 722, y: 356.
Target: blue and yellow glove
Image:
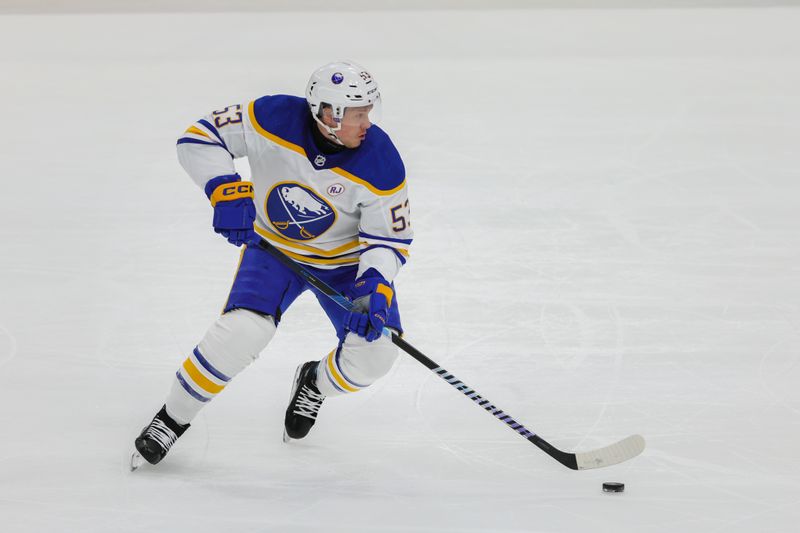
x: 372, y: 297
x: 234, y: 210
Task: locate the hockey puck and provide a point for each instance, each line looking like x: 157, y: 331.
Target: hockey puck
x: 613, y: 486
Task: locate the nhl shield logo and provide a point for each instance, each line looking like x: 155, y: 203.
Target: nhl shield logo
x: 297, y: 212
x: 319, y: 160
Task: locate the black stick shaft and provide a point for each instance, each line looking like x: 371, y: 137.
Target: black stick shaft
x: 567, y: 459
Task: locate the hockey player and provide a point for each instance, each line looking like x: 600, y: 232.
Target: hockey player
x: 328, y: 189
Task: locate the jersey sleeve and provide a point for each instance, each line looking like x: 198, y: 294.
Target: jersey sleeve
x: 206, y: 150
x: 385, y: 233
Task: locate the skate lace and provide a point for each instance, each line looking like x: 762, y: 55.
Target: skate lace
x: 308, y: 403
x: 161, y: 433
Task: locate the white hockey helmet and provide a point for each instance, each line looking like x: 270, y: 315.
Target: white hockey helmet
x: 341, y: 85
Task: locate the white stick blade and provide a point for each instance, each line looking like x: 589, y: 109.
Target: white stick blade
x: 627, y: 448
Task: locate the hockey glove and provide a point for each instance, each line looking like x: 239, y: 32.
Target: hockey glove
x: 234, y: 210
x: 372, y: 297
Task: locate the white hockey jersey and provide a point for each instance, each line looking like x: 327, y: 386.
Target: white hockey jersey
x: 323, y: 210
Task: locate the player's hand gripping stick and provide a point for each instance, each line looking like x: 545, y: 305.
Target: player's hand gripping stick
x: 372, y: 297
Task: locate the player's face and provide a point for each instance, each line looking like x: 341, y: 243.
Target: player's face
x: 355, y: 124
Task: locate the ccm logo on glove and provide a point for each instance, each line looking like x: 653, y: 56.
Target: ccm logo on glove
x: 232, y: 191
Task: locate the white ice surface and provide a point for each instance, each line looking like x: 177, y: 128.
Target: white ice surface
x: 606, y: 208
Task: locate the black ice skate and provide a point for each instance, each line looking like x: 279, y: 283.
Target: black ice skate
x: 304, y: 403
x: 156, y: 439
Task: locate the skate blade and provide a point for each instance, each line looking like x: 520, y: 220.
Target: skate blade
x: 136, y: 461
x: 286, y: 438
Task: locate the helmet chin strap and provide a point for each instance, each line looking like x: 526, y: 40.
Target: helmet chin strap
x: 334, y: 137
x: 330, y: 131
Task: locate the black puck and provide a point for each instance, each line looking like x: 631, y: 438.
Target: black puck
x: 613, y: 486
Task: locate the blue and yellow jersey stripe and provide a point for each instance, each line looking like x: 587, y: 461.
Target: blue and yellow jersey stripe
x: 355, y: 179
x: 399, y: 246
x: 345, y: 254
x: 202, y: 132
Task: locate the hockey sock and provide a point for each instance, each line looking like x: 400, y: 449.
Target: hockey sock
x: 354, y: 365
x: 234, y: 341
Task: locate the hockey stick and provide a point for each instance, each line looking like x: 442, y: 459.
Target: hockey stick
x: 618, y: 452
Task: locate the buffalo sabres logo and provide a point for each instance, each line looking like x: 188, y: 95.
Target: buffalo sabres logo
x: 297, y: 212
